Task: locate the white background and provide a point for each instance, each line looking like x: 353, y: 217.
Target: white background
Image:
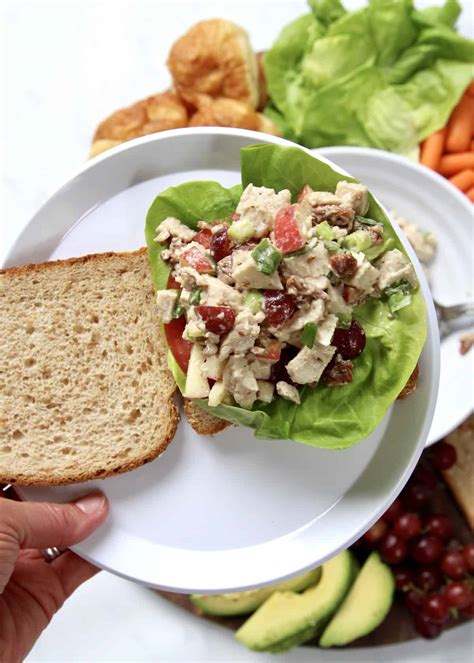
x: 64, y: 66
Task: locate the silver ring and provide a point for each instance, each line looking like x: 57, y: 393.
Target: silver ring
x: 50, y: 554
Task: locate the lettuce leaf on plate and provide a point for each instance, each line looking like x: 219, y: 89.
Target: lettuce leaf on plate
x: 384, y: 76
x: 332, y: 417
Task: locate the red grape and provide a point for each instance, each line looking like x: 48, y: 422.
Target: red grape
x: 453, y: 564
x: 349, y: 342
x: 278, y: 306
x: 468, y: 554
x: 376, y: 532
x: 413, y: 600
x: 416, y: 495
x: 427, y: 629
x: 468, y: 612
x: 393, y: 549
x: 393, y: 511
x: 427, y: 550
x: 407, y: 526
x: 221, y: 245
x: 435, y: 609
x: 404, y: 579
x: 444, y: 456
x: 218, y: 319
x: 439, y: 525
x: 458, y: 595
x: 428, y: 578
x: 425, y: 476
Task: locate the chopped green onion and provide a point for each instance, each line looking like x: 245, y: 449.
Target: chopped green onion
x: 178, y: 311
x: 400, y: 287
x: 309, y: 334
x: 267, y: 257
x: 195, y: 296
x: 398, y: 296
x: 366, y: 221
x: 254, y: 301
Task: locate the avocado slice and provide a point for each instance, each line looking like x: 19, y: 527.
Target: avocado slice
x: 365, y: 607
x: 287, y: 619
x: 241, y: 603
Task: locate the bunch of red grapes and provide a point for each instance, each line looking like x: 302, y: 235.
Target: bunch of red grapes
x: 433, y: 572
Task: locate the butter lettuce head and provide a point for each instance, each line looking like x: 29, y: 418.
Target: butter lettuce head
x: 384, y: 76
x: 331, y: 417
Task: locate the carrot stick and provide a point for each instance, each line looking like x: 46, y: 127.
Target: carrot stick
x: 458, y: 137
x: 463, y: 180
x: 470, y: 194
x: 451, y: 164
x: 470, y: 89
x: 432, y: 149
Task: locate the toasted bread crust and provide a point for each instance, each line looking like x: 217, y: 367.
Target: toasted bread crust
x: 460, y: 477
x: 203, y: 422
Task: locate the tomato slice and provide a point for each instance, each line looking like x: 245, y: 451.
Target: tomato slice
x: 287, y: 234
x: 204, y: 238
x: 180, y: 349
x: 195, y: 258
x: 218, y: 319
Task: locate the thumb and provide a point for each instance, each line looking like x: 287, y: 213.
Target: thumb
x: 44, y: 525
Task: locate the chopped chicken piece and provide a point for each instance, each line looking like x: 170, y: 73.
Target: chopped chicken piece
x: 172, y: 227
x: 288, y: 392
x: 299, y: 286
x: 217, y: 293
x: 261, y: 368
x: 354, y: 195
x: 326, y: 329
x: 309, y: 364
x: 240, y: 381
x: 317, y: 198
x: 365, y: 276
x: 336, y: 303
x: 165, y: 301
x: 393, y: 266
x: 312, y: 264
x: 259, y: 206
x: 243, y: 335
x: 246, y: 274
x: 313, y: 313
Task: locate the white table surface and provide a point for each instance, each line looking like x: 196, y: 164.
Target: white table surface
x: 64, y: 66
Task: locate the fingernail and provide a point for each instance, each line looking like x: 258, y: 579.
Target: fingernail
x: 91, y: 503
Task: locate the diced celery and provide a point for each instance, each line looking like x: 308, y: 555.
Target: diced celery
x: 358, y: 241
x: 309, y: 334
x: 254, y: 301
x: 267, y: 257
x: 241, y: 231
x: 324, y: 231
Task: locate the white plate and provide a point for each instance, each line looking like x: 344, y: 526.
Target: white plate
x: 229, y: 512
x: 423, y: 196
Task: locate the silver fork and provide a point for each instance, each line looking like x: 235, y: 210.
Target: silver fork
x: 451, y: 318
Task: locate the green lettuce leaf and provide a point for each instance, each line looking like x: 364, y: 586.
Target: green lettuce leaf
x: 330, y: 417
x: 384, y: 76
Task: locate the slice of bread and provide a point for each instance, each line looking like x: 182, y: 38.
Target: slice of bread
x: 460, y: 477
x: 85, y: 391
x: 203, y: 422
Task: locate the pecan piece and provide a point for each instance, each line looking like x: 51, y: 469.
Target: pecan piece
x: 343, y: 265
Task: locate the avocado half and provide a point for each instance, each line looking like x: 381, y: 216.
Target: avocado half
x: 241, y: 603
x: 288, y: 619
